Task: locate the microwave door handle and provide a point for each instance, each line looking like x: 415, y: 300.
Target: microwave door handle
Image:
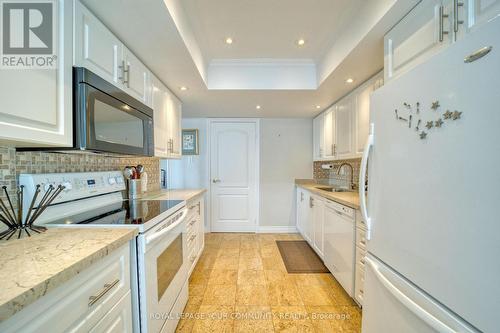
x: 161, y: 232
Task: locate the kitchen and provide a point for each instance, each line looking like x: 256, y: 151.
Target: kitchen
x: 234, y: 166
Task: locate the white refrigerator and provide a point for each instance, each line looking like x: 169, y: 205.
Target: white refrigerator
x: 433, y: 262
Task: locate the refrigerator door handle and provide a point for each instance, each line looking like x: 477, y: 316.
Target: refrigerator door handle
x: 362, y: 182
x: 428, y: 318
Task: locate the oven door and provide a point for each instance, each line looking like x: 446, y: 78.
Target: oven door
x: 110, y: 125
x: 163, y: 270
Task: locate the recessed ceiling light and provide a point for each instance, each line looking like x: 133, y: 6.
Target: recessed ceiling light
x: 301, y: 42
x: 183, y: 88
x: 318, y: 106
x: 229, y: 41
x: 258, y: 107
x: 349, y: 80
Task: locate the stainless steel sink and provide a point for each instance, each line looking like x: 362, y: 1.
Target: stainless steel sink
x: 334, y: 189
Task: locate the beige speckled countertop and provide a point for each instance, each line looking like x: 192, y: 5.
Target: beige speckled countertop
x: 30, y: 267
x: 350, y: 199
x: 184, y: 194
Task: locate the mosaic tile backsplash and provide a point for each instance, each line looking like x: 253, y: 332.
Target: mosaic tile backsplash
x: 13, y: 163
x: 331, y: 177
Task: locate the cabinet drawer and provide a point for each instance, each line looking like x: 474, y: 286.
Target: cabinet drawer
x: 119, y: 319
x: 361, y: 238
x: 79, y: 304
x: 359, y: 284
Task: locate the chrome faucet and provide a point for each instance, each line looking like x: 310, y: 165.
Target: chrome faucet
x: 351, y: 185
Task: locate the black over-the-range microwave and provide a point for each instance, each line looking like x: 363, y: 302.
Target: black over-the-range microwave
x: 107, y: 119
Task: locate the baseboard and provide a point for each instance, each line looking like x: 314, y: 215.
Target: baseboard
x: 276, y: 229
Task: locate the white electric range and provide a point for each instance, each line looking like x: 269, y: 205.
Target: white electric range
x: 159, y: 255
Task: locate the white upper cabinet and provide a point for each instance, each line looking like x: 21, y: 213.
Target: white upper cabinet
x: 430, y: 27
x: 329, y: 133
x: 100, y: 51
x: 159, y: 104
x: 420, y: 34
x: 175, y: 128
x: 167, y: 121
x: 343, y: 147
x: 36, y: 104
x: 342, y: 130
x: 96, y: 48
x: 362, y: 112
x: 472, y: 13
x: 318, y: 127
x: 137, y: 77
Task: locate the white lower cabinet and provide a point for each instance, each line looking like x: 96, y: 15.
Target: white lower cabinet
x: 195, y: 230
x: 317, y: 222
x: 302, y: 211
x: 96, y: 300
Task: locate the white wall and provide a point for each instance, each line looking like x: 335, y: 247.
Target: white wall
x: 285, y: 154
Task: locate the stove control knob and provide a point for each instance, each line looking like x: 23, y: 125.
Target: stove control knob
x: 67, y: 186
x: 112, y: 180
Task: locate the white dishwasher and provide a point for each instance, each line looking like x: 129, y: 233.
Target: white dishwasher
x: 339, y: 247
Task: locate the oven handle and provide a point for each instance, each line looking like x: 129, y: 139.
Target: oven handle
x: 163, y: 231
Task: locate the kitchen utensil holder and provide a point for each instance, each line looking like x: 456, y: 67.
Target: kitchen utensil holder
x: 134, y: 188
x: 13, y: 218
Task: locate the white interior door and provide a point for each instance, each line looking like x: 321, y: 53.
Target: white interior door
x: 234, y: 175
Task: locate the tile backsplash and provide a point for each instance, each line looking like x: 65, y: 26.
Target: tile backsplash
x: 331, y: 177
x: 13, y: 163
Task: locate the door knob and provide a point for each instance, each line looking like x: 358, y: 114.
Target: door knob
x: 216, y: 180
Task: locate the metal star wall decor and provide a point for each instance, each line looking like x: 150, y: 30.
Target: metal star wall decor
x: 429, y: 124
x: 447, y: 114
x: 456, y: 115
x: 435, y: 105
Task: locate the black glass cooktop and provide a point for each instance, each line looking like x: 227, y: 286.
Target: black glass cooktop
x: 125, y: 212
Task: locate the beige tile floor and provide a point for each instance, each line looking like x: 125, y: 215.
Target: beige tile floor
x: 240, y: 284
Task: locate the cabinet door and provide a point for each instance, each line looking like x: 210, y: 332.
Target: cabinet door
x: 417, y: 37
x: 318, y: 136
x: 362, y: 112
x: 138, y: 80
x: 36, y: 104
x: 159, y: 103
x: 343, y: 147
x: 318, y: 222
x: 329, y: 133
x: 473, y: 13
x: 176, y: 127
x: 96, y: 48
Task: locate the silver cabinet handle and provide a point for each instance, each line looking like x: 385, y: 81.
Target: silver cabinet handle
x: 442, y: 16
x: 107, y: 288
x: 311, y: 202
x: 456, y: 20
x: 192, y: 237
x: 216, y: 180
x: 301, y: 196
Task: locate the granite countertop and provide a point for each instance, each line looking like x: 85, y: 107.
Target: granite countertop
x: 31, y: 267
x: 183, y: 194
x: 350, y: 199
